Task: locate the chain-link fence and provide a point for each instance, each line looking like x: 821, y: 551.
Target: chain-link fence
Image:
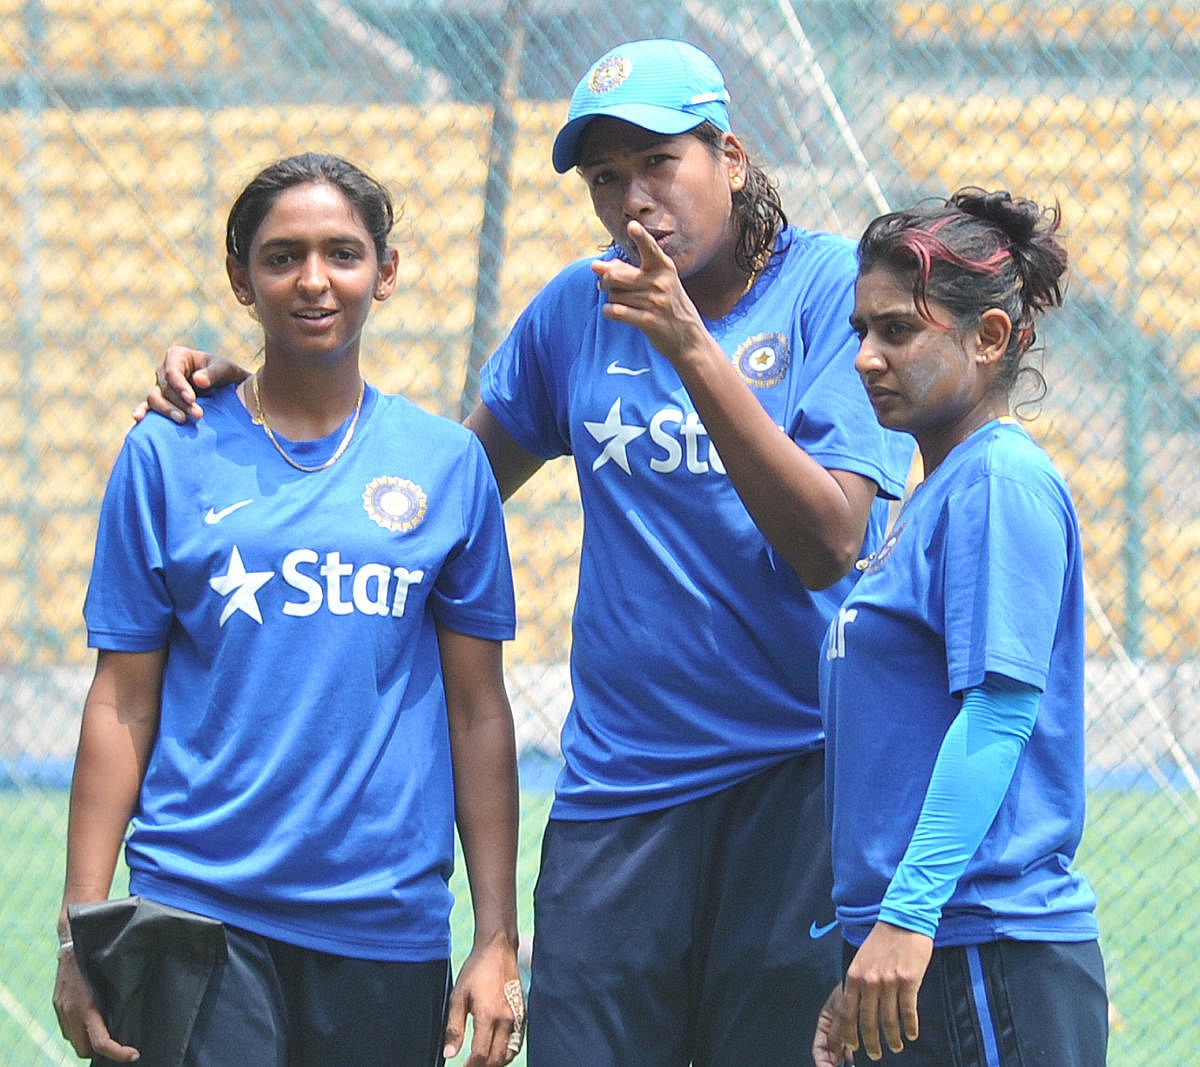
x: 127, y: 126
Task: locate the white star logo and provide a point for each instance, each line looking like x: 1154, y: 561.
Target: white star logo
x: 243, y: 585
x: 618, y: 436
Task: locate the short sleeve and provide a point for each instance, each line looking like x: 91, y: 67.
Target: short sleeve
x: 524, y: 383
x: 1006, y: 563
x: 128, y: 607
x: 473, y: 593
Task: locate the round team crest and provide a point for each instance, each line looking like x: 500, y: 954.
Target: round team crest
x: 763, y: 360
x: 394, y: 503
x: 609, y: 73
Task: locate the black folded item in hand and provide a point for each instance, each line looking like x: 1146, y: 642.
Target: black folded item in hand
x: 149, y: 966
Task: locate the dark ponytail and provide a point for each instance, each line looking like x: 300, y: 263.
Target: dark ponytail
x: 758, y: 214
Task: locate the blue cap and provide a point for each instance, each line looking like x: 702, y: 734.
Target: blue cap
x: 665, y: 86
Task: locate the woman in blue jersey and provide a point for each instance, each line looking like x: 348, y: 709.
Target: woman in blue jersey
x: 952, y: 676
x: 700, y: 372
x: 299, y: 606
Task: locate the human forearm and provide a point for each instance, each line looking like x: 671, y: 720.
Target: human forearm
x: 970, y: 778
x: 120, y: 721
x: 487, y: 812
x: 813, y: 517
x: 488, y: 984
x: 103, y: 794
x: 483, y: 753
x: 114, y: 743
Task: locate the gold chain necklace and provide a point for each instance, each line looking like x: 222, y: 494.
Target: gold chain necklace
x: 760, y: 264
x: 261, y: 419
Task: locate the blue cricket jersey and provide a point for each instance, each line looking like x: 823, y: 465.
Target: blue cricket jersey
x: 300, y: 785
x: 981, y: 573
x: 694, y: 657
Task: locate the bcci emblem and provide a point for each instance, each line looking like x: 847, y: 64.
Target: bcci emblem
x: 394, y: 503
x: 609, y: 73
x: 763, y: 360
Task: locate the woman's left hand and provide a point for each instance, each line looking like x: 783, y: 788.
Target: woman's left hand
x: 489, y: 990
x: 651, y: 296
x: 880, y: 992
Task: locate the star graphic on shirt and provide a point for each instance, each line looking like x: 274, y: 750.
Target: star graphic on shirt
x: 616, y: 434
x: 762, y: 359
x: 243, y: 584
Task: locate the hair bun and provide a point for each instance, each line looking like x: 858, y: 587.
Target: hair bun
x: 1017, y: 218
x: 1030, y: 233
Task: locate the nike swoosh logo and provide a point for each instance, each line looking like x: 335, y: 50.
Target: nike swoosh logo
x: 615, y: 368
x: 817, y: 932
x: 214, y: 517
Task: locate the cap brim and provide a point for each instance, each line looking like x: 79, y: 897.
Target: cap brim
x: 650, y: 117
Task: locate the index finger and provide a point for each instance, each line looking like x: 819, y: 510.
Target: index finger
x: 651, y: 255
x: 173, y: 379
x: 103, y: 1044
x: 488, y: 1045
x: 487, y: 1048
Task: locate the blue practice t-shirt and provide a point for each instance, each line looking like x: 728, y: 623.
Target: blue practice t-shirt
x: 694, y: 658
x: 981, y: 574
x: 300, y: 785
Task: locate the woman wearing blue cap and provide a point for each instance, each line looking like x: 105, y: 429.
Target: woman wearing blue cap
x: 682, y: 912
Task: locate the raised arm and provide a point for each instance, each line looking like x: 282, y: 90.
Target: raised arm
x: 120, y: 722
x: 182, y: 371
x: 511, y: 464
x: 815, y: 518
x: 483, y: 750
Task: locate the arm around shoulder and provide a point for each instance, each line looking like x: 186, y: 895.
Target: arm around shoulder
x: 183, y: 371
x: 512, y: 465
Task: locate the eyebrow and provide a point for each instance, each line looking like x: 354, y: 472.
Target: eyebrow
x: 858, y: 322
x: 291, y: 242
x: 646, y: 146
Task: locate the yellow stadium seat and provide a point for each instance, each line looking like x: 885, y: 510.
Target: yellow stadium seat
x: 1005, y: 23
x: 154, y: 36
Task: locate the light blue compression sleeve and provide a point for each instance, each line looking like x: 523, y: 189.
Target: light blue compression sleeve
x: 970, y: 778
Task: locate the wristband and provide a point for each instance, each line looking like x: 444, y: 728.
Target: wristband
x: 64, y: 947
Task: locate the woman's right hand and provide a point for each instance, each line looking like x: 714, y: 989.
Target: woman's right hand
x: 825, y: 1051
x: 182, y: 371
x: 79, y: 1017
